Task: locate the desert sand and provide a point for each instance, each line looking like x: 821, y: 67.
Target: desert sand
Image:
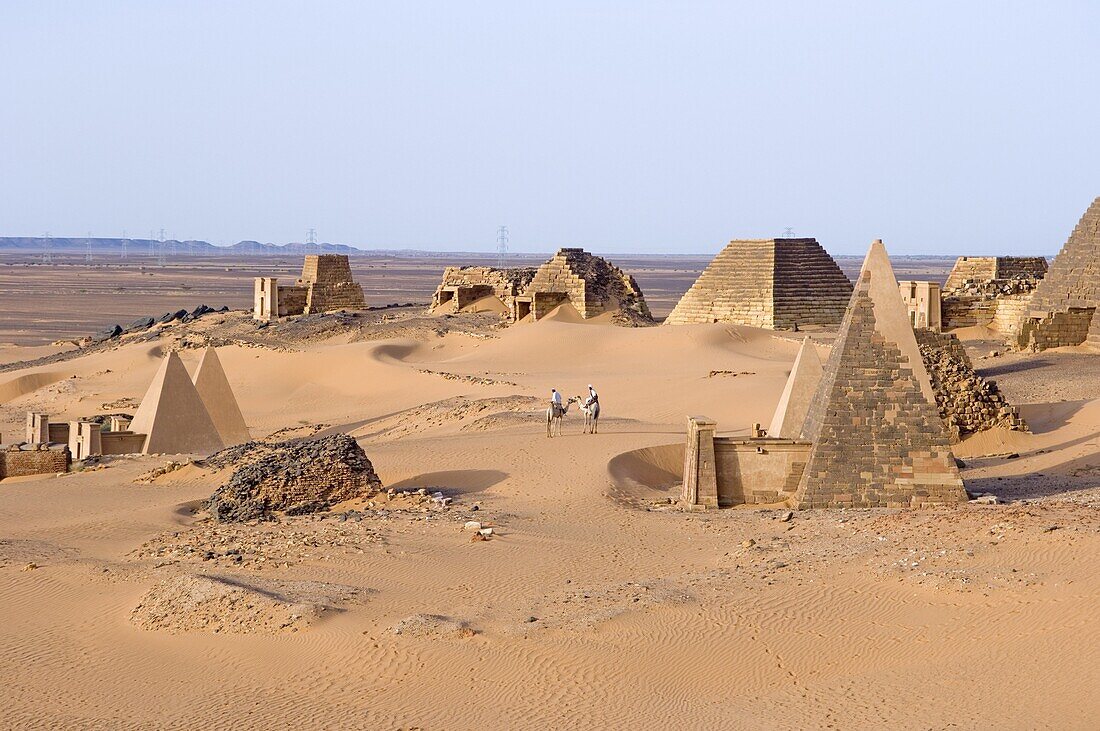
x: 594, y: 603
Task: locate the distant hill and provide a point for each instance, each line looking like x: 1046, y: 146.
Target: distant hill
x: 138, y: 247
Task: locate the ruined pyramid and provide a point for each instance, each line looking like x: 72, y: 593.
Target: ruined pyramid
x: 1064, y: 307
x: 772, y: 283
x: 878, y: 440
x: 172, y: 414
x: 801, y: 386
x: 217, y: 396
x: 1073, y: 280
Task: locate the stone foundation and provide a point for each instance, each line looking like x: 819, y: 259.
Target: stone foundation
x: 20, y: 460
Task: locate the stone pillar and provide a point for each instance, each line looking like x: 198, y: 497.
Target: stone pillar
x: 38, y: 427
x: 700, y: 489
x: 118, y: 423
x: 265, y: 298
x: 85, y: 439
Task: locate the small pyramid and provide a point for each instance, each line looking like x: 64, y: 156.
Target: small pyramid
x: 221, y: 404
x: 172, y: 414
x: 878, y: 440
x: 805, y: 376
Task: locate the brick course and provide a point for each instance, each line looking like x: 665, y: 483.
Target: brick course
x: 769, y: 283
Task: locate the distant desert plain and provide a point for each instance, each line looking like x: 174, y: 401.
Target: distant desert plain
x: 594, y: 603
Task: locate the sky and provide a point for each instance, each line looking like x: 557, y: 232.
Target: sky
x: 648, y: 127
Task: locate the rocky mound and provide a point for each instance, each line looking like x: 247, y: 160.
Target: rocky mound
x: 424, y: 626
x: 295, y: 477
x: 967, y: 402
x: 222, y: 605
x: 212, y: 604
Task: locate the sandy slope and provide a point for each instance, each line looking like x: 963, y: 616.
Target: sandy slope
x: 592, y: 607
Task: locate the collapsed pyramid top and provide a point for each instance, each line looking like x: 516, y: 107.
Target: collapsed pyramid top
x: 172, y: 414
x: 591, y: 284
x: 217, y: 396
x: 1073, y: 280
x: 770, y: 283
x: 878, y: 440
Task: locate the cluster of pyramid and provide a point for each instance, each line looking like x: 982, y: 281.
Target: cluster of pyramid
x: 181, y: 416
x: 870, y: 412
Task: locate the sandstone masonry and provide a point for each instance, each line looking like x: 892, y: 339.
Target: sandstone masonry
x: 770, y: 283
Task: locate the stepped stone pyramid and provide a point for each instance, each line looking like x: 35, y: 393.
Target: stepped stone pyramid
x: 217, y: 396
x: 172, y: 414
x: 771, y: 283
x: 801, y: 386
x: 1068, y: 298
x: 330, y: 284
x: 878, y: 440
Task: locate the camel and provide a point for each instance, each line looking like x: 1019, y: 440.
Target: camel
x: 591, y: 415
x: 551, y: 417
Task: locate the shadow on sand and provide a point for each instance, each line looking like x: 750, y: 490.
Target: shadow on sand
x: 455, y: 482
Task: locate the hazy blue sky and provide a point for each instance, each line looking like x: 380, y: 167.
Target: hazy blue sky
x: 941, y: 127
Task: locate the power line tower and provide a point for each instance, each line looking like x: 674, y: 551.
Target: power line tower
x: 47, y: 249
x: 125, y: 242
x: 788, y: 233
x: 160, y: 252
x: 502, y: 245
x: 311, y: 238
x: 88, y: 249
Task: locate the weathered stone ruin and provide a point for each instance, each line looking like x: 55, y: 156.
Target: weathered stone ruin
x: 967, y: 403
x: 462, y: 286
x: 294, y: 477
x: 326, y: 285
x: 878, y: 440
x: 589, y: 283
x: 1063, y: 309
x: 20, y: 460
x: 990, y: 291
x: 979, y: 271
x: 780, y: 284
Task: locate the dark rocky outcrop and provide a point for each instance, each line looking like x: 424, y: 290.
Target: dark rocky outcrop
x: 295, y: 477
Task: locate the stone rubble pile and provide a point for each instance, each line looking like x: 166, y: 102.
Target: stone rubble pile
x: 967, y: 402
x: 295, y: 477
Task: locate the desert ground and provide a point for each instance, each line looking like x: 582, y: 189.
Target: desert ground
x: 594, y: 603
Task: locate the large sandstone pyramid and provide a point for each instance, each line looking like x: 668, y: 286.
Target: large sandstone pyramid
x: 172, y: 414
x: 878, y: 440
x: 217, y: 396
x: 1073, y: 280
x: 771, y: 283
x: 799, y: 392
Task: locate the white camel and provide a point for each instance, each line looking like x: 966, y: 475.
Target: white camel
x: 591, y: 415
x: 553, y: 418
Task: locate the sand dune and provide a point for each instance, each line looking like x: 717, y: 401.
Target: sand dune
x: 594, y: 604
